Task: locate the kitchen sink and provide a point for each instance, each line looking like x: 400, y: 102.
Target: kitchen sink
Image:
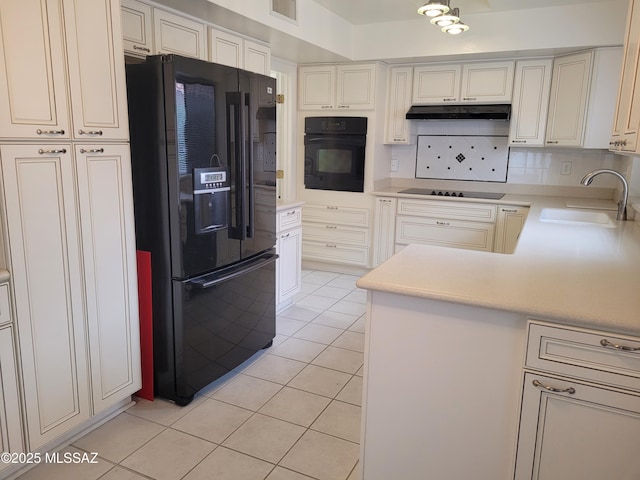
x: 569, y: 216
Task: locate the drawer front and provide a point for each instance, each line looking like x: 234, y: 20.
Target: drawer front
x: 5, y: 310
x: 581, y: 354
x: 356, y: 217
x: 335, y: 253
x: 330, y: 233
x: 290, y: 218
x: 475, y: 212
x: 448, y: 233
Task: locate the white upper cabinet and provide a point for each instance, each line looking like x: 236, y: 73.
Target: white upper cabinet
x: 96, y: 70
x: 33, y: 90
x: 179, y: 35
x: 487, y: 82
x: 337, y: 87
x: 436, y: 84
x: 228, y: 49
x: 583, y: 98
x: 397, y: 127
x: 465, y: 83
x: 137, y: 28
x: 530, y: 103
x: 624, y: 136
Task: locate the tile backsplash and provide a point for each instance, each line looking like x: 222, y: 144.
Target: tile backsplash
x: 527, y: 166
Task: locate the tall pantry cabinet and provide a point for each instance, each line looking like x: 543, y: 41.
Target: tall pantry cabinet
x: 67, y: 207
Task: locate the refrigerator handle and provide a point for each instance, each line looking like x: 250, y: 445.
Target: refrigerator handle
x: 235, y: 142
x: 209, y: 281
x: 248, y: 159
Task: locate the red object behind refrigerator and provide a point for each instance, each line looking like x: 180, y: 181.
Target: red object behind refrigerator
x: 146, y: 324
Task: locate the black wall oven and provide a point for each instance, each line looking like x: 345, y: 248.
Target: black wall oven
x: 334, y: 150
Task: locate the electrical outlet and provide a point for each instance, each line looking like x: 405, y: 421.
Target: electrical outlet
x: 565, y: 168
x: 395, y: 163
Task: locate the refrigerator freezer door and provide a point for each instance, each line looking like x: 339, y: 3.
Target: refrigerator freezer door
x: 220, y: 320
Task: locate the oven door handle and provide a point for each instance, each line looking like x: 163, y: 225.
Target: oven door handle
x: 213, y: 279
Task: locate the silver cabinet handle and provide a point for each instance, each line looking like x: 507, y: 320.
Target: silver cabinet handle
x: 330, y: 245
x: 89, y: 132
x: 518, y: 141
x: 42, y: 152
x: 552, y: 141
x: 569, y: 390
x: 331, y: 227
x: 292, y: 212
x: 442, y: 223
x: 331, y: 208
x: 285, y: 236
x: 509, y: 210
x: 606, y: 343
x: 92, y: 150
x: 50, y: 132
x: 469, y: 98
x: 144, y: 49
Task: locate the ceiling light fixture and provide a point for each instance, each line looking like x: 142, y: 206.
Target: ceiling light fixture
x: 434, y: 8
x: 455, y: 28
x: 447, y: 19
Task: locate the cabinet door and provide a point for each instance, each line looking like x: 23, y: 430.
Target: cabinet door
x: 397, y: 127
x: 109, y: 257
x: 436, y: 84
x: 508, y: 227
x: 96, y: 69
x: 137, y: 28
x: 530, y: 102
x: 487, y: 82
x: 10, y: 415
x: 225, y: 48
x: 257, y: 58
x: 40, y: 193
x: 180, y: 35
x: 586, y: 433
x: 289, y: 264
x: 568, y: 102
x: 627, y: 118
x: 317, y: 87
x: 33, y: 91
x: 356, y: 87
x: 384, y: 233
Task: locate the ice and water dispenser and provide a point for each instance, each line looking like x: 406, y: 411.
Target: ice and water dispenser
x: 211, y: 190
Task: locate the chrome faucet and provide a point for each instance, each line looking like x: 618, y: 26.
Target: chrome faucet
x: 622, y: 204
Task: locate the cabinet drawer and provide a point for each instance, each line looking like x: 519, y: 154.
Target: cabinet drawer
x: 5, y: 310
x: 331, y: 233
x: 289, y: 218
x: 584, y: 354
x: 448, y: 233
x: 476, y: 212
x: 357, y: 217
x: 335, y: 253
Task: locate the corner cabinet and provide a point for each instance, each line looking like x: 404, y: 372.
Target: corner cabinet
x: 624, y: 136
x: 532, y: 86
x: 509, y: 224
x: 580, y: 415
x: 384, y: 230
x: 582, y: 100
x: 33, y: 90
x: 342, y: 87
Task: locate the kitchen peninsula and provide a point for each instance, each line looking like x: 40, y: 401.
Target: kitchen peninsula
x: 463, y: 347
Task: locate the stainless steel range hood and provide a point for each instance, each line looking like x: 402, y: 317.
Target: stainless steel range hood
x: 448, y: 112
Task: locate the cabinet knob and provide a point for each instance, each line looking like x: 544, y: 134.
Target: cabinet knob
x: 518, y: 141
x: 469, y: 98
x: 43, y: 152
x: 509, y: 210
x: 552, y: 141
x: 89, y: 132
x: 438, y: 222
x: 92, y: 150
x: 144, y: 49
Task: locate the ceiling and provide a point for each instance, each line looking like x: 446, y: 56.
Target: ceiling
x: 360, y: 12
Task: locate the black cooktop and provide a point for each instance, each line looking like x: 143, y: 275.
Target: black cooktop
x: 451, y: 193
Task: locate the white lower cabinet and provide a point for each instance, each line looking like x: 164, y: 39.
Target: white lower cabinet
x: 508, y: 227
x: 72, y: 258
x: 336, y: 234
x: 11, y: 437
x: 384, y: 230
x: 289, y: 249
x: 576, y: 422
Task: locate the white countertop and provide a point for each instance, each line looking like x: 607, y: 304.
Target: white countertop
x: 580, y: 275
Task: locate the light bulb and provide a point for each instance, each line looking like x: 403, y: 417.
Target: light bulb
x: 455, y: 28
x: 445, y: 20
x: 434, y: 8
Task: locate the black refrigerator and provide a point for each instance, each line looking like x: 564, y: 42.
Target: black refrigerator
x: 203, y: 163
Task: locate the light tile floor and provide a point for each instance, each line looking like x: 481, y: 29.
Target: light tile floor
x: 292, y: 412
